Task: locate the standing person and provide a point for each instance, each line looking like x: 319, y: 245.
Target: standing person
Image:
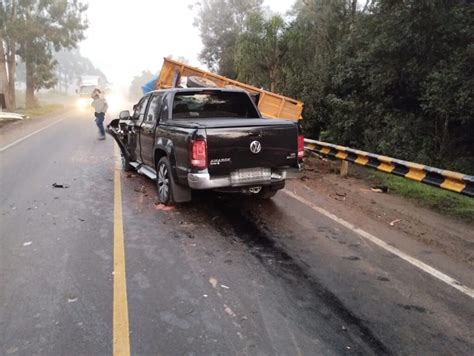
x: 100, y: 106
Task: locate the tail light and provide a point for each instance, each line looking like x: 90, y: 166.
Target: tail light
x: 300, y: 147
x: 198, y: 154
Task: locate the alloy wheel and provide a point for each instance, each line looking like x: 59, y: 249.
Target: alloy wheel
x: 163, y: 183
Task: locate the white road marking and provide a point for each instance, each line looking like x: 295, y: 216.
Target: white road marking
x: 417, y: 263
x: 4, y: 148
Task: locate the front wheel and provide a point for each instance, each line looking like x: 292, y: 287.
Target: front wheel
x: 163, y: 182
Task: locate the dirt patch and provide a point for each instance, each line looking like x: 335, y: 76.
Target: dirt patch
x: 446, y: 234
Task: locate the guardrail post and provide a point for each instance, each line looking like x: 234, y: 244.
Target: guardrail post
x: 344, y: 169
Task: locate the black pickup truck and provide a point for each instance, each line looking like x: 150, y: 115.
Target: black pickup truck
x: 205, y: 138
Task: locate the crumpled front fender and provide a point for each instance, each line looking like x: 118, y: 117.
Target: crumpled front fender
x: 114, y: 130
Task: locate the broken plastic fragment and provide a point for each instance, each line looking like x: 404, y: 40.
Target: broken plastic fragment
x: 213, y: 282
x: 163, y: 207
x: 71, y: 299
x: 56, y: 185
x: 379, y: 189
x: 392, y: 223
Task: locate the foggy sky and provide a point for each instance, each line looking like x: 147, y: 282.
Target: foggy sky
x: 126, y: 37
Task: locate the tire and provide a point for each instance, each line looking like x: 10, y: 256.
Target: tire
x: 199, y: 82
x: 126, y: 164
x: 164, y: 184
x: 266, y: 193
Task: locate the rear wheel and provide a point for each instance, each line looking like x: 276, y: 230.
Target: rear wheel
x: 163, y: 182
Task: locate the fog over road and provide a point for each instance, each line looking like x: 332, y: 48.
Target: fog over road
x: 221, y: 275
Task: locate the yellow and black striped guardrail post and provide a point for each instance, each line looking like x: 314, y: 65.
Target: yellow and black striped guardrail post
x: 456, y: 182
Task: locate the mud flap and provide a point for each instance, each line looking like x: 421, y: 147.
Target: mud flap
x: 181, y: 194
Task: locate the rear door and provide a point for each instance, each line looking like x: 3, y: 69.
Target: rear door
x: 139, y: 117
x: 147, y: 131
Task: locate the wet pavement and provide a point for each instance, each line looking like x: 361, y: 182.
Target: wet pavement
x: 222, y: 275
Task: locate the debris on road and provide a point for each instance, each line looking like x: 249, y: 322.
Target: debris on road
x: 379, y: 189
x: 392, y: 223
x: 12, y: 116
x: 229, y: 311
x: 159, y: 206
x: 56, y: 185
x: 27, y: 243
x: 213, y: 282
x: 224, y: 286
x: 81, y: 219
x: 141, y: 189
x: 71, y: 299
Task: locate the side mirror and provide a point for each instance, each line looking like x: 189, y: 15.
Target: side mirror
x: 124, y: 115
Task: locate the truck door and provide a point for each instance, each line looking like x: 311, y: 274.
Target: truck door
x: 138, y: 117
x: 147, y: 133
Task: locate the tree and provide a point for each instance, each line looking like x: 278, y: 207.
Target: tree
x: 46, y: 26
x: 313, y: 36
x: 260, y: 51
x: 405, y: 72
x: 71, y: 65
x: 8, y: 33
x: 220, y: 23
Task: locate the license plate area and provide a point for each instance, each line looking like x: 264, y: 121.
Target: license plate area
x: 242, y: 176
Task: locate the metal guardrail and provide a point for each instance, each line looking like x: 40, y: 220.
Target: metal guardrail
x: 453, y: 181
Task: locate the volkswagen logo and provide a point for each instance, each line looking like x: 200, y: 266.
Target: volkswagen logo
x: 255, y: 147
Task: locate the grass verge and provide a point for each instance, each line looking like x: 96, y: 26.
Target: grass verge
x: 437, y: 199
x: 41, y: 110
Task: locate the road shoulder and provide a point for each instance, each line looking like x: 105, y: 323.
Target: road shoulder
x: 355, y: 201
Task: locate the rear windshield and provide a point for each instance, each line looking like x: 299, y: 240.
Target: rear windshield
x: 213, y: 104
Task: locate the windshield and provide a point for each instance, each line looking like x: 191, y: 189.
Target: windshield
x: 213, y: 104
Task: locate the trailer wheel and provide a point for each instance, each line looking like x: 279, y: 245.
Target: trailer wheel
x: 200, y: 82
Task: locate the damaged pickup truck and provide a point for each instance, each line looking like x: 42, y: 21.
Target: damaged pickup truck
x: 207, y: 139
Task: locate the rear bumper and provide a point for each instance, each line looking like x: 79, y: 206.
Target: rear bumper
x: 204, y: 180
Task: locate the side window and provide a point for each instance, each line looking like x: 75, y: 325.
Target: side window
x: 139, y: 110
x: 153, y: 108
x: 164, y: 109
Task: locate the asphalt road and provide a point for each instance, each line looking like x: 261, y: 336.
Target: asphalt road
x: 223, y: 275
